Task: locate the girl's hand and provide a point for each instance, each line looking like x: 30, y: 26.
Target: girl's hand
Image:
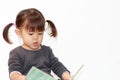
x: 70, y: 78
x: 66, y: 76
x: 17, y: 76
x: 22, y: 77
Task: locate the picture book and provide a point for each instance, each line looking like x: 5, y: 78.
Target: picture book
x: 37, y: 74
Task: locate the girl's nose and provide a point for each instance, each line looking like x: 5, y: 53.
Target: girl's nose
x: 35, y: 37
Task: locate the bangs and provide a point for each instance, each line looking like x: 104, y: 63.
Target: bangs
x: 35, y: 24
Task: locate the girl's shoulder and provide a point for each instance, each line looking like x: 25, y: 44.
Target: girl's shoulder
x: 46, y: 47
x: 16, y: 49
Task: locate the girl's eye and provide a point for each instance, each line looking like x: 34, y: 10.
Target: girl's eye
x: 30, y: 33
x: 40, y: 33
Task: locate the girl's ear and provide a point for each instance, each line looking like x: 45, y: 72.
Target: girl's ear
x: 18, y: 32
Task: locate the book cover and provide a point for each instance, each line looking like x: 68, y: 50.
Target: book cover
x: 37, y: 74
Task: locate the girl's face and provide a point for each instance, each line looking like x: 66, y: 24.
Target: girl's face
x: 31, y: 40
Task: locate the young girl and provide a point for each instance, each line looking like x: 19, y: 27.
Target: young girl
x: 30, y: 27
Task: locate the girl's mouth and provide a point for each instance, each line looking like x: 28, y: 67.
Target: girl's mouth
x: 35, y: 44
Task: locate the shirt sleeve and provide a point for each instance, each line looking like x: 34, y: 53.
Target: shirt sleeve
x: 15, y: 62
x: 57, y: 67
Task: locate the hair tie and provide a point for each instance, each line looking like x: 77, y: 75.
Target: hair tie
x: 14, y: 24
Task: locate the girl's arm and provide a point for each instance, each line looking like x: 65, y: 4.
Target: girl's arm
x: 15, y: 75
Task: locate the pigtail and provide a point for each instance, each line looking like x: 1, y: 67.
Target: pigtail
x: 5, y: 33
x: 53, y: 28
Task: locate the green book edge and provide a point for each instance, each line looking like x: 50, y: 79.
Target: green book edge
x: 37, y: 74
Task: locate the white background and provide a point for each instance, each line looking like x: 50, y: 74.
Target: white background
x: 88, y: 33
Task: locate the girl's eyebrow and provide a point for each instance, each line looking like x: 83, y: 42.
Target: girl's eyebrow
x: 35, y: 31
x: 40, y: 32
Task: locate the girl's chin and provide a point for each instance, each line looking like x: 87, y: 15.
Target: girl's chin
x: 35, y: 48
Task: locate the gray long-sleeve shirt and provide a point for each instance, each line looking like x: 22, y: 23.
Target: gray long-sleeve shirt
x: 22, y: 60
